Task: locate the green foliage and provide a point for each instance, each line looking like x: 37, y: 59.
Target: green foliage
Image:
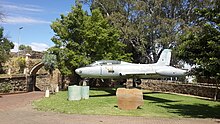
x: 5, y: 87
x: 22, y: 47
x: 81, y: 39
x: 21, y: 63
x: 5, y: 47
x: 102, y: 39
x: 69, y: 36
x: 104, y: 102
x: 49, y: 61
x: 25, y: 49
x: 203, y: 47
x: 146, y: 26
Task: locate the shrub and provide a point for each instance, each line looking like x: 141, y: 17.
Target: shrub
x: 5, y: 87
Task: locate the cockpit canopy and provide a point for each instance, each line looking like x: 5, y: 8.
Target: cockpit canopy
x: 107, y: 62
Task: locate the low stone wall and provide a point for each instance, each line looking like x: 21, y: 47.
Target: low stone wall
x: 21, y: 83
x: 175, y: 87
x: 13, y: 83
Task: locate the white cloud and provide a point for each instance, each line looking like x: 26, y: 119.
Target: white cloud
x: 26, y: 20
x: 12, y: 7
x: 34, y: 45
x: 15, y: 47
x: 39, y: 46
x: 20, y: 13
x: 20, y: 7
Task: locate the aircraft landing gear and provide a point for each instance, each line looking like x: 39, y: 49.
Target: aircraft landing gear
x: 136, y: 82
x: 84, y: 82
x: 123, y: 81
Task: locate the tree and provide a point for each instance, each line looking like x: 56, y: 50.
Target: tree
x: 25, y: 49
x: 68, y: 40
x: 50, y: 62
x: 149, y: 26
x: 128, y: 17
x: 102, y: 39
x: 203, y: 47
x: 21, y: 47
x: 5, y: 47
x: 81, y: 39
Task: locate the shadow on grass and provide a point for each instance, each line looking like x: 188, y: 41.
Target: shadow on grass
x: 194, y: 111
x: 104, y: 95
x: 151, y: 92
x: 156, y: 99
x: 109, y: 92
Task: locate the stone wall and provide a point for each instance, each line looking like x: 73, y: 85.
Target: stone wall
x: 21, y: 83
x: 177, y: 87
x: 15, y: 83
x: 44, y: 82
x: 34, y: 54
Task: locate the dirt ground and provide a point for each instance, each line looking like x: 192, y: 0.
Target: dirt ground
x: 17, y: 109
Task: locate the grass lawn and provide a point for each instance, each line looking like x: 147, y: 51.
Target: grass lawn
x: 104, y: 102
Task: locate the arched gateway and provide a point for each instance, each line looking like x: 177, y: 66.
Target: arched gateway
x: 32, y: 79
x: 36, y: 67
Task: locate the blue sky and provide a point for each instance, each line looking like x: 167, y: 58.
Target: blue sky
x: 35, y: 16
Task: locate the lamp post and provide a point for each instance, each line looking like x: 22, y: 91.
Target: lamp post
x: 19, y: 33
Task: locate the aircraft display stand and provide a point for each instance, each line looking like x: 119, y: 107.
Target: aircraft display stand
x: 78, y: 92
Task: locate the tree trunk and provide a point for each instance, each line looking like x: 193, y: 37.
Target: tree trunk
x: 51, y: 77
x: 62, y: 81
x: 1, y: 69
x: 216, y: 91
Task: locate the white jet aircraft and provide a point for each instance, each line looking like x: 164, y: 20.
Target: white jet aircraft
x: 112, y: 69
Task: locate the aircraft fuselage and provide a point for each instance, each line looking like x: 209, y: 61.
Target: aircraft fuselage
x: 124, y: 71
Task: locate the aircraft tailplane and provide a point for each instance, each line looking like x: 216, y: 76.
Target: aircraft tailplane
x: 164, y: 57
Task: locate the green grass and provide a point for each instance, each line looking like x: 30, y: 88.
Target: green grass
x: 104, y: 102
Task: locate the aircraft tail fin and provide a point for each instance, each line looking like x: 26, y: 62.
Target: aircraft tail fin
x: 164, y: 57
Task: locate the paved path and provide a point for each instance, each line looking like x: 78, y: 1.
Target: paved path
x: 17, y: 109
x: 13, y: 101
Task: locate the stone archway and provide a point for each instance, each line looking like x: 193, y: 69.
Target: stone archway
x: 42, y: 81
x: 33, y: 75
x: 36, y: 67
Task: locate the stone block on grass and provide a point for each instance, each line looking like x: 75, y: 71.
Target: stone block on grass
x: 129, y: 99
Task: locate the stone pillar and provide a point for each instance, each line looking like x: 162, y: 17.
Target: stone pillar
x: 9, y: 71
x: 26, y: 70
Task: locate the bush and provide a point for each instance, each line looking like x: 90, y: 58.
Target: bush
x: 5, y: 87
x: 22, y: 63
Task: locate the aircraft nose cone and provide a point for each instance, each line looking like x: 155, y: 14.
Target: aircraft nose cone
x: 78, y: 71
